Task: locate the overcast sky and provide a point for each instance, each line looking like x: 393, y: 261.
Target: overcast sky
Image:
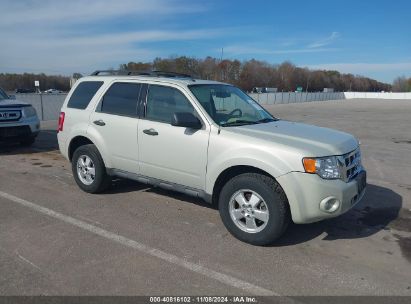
x: 371, y: 38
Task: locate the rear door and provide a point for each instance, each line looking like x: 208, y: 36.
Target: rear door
x: 116, y: 123
x: 169, y: 153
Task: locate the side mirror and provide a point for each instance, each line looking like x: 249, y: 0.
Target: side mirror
x: 186, y: 120
x: 12, y: 96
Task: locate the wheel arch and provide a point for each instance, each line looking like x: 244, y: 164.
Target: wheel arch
x: 233, y: 171
x: 77, y: 142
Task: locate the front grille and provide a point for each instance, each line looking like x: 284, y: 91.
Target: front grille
x: 10, y: 132
x: 9, y: 115
x: 351, y: 164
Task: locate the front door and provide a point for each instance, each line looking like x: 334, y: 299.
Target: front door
x: 169, y: 153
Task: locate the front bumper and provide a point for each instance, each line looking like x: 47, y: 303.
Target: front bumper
x: 306, y: 191
x: 14, y: 131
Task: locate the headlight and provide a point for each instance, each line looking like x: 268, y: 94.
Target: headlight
x: 325, y: 167
x: 30, y: 111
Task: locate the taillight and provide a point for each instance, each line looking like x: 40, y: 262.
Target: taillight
x: 61, y: 121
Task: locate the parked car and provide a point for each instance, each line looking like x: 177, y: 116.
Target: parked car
x: 52, y: 91
x: 25, y: 91
x: 209, y: 140
x: 269, y: 90
x: 18, y: 121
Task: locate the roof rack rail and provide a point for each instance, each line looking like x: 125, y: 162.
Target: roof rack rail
x: 140, y: 73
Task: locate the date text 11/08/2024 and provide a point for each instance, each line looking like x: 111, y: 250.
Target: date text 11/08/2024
x: 206, y: 299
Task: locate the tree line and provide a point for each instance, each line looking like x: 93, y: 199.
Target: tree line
x: 11, y: 82
x: 401, y: 84
x: 254, y: 73
x: 247, y: 75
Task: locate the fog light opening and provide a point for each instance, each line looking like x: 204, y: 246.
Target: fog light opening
x: 329, y: 204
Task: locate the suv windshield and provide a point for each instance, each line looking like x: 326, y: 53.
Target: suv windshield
x: 229, y: 106
x: 3, y: 95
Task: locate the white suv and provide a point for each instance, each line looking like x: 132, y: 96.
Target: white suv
x: 210, y: 140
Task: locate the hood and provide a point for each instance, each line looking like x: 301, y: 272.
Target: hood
x: 308, y: 139
x: 12, y: 103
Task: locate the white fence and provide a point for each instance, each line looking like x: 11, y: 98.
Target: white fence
x: 295, y: 97
x: 47, y: 105
x: 387, y: 95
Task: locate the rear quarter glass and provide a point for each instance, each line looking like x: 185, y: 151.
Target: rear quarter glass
x: 83, y: 93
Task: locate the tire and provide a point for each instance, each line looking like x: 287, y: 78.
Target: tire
x: 27, y: 142
x: 271, y: 198
x: 86, y: 182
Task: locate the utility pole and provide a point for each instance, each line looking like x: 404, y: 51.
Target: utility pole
x: 221, y: 60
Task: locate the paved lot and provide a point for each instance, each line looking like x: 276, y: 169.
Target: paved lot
x: 136, y: 240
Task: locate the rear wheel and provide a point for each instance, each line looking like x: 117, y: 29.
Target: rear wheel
x: 254, y: 208
x: 89, y: 170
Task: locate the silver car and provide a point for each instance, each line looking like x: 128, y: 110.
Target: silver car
x: 18, y: 121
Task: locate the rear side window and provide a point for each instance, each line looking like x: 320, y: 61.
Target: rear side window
x: 121, y: 99
x: 83, y: 94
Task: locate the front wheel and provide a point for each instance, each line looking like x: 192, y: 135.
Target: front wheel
x: 89, y: 170
x: 254, y: 208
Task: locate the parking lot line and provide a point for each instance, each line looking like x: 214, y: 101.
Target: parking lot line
x: 170, y: 258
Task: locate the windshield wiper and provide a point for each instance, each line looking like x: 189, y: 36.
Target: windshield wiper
x: 238, y: 123
x: 241, y: 122
x: 265, y: 120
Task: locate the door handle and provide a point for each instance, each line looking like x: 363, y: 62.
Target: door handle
x: 99, y: 122
x: 151, y: 132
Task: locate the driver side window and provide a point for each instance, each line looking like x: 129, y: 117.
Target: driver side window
x: 163, y: 102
